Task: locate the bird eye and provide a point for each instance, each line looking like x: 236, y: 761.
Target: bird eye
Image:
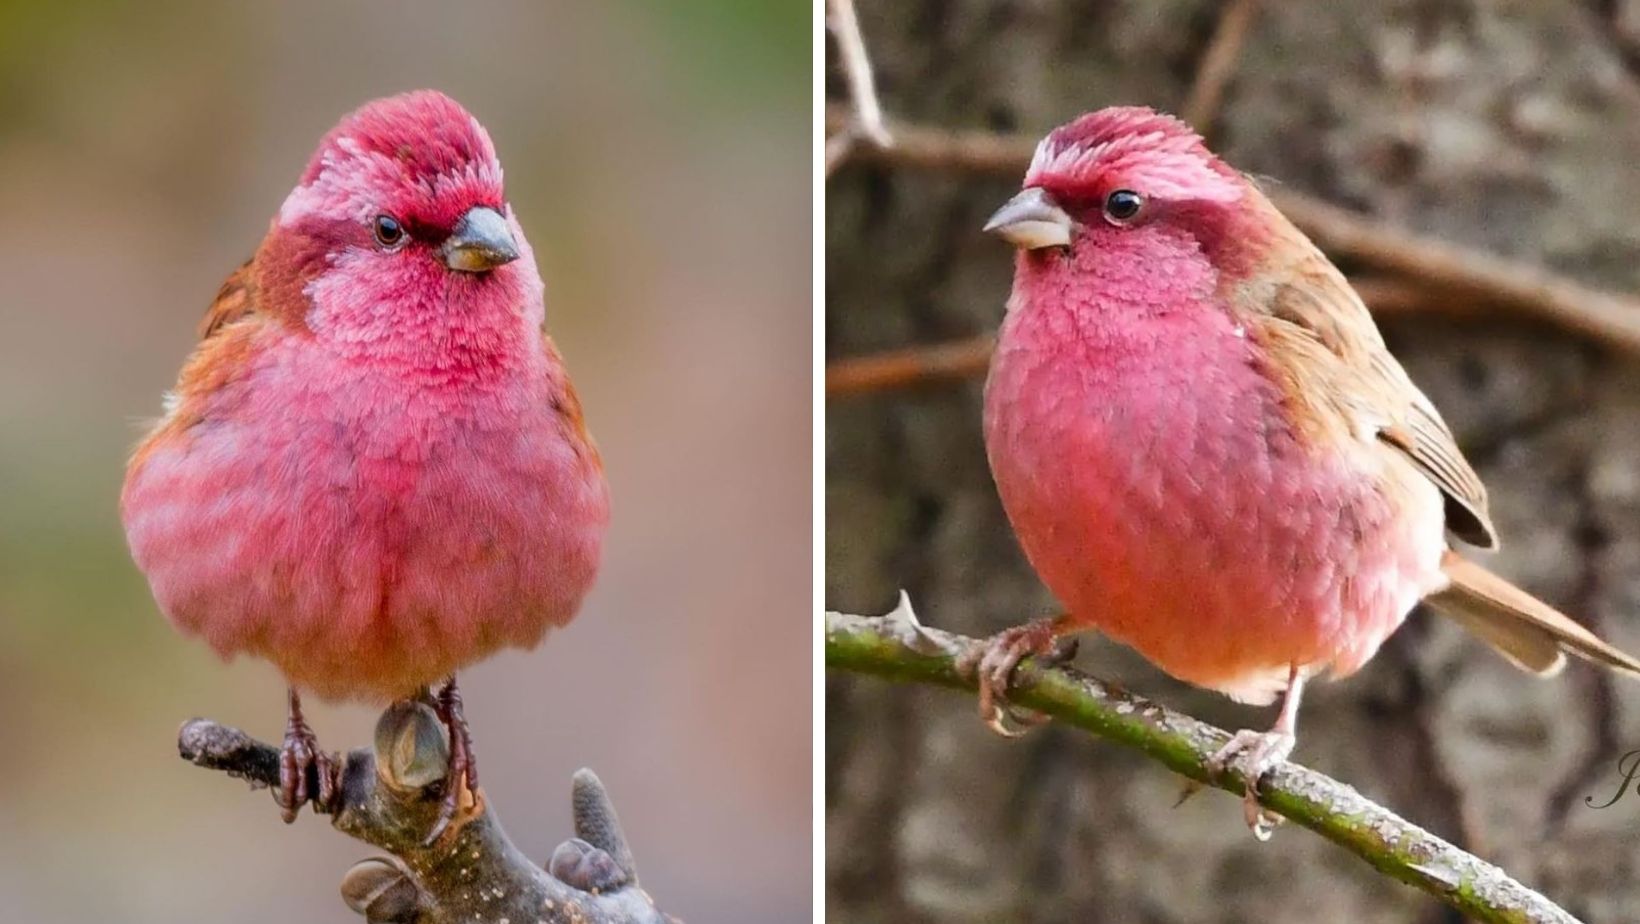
x: 388, y: 230
x: 1122, y: 205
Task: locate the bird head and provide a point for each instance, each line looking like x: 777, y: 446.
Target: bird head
x: 1124, y: 180
x: 400, y: 212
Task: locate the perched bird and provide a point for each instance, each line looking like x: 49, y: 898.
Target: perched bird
x: 373, y: 469
x: 1205, y: 448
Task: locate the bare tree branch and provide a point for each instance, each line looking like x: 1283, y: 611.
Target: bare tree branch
x: 1444, y: 270
x: 956, y: 360
x: 909, y: 367
x: 897, y: 647
x: 1218, y: 63
x: 865, y: 123
x: 472, y: 873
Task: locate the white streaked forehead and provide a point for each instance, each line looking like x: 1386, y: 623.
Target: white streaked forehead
x: 351, y: 180
x: 1166, y: 165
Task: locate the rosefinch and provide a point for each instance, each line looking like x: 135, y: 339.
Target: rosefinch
x: 373, y: 469
x: 1206, y: 450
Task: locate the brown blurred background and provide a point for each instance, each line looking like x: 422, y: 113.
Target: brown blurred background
x: 658, y: 156
x: 1505, y: 126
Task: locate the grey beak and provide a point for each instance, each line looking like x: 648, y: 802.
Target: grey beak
x: 481, y: 241
x: 1031, y: 220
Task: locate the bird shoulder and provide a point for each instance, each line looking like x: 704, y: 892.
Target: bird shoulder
x: 1329, y: 357
x: 223, y: 352
x: 566, y: 405
x: 234, y: 301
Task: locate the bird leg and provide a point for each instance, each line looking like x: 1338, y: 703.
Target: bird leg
x: 463, y: 771
x: 993, y: 662
x: 1260, y: 752
x: 300, y: 752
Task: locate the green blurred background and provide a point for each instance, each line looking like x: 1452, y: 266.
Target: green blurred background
x: 658, y: 155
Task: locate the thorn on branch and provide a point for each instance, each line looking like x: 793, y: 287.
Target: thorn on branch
x: 922, y: 640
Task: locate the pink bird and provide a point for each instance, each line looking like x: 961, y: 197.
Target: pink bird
x: 1205, y: 448
x: 373, y: 470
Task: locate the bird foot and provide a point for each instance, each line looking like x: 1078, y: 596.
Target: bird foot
x: 300, y: 753
x: 463, y: 769
x: 1257, y: 753
x: 993, y: 661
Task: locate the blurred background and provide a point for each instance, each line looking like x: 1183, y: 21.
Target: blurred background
x: 659, y: 157
x: 1506, y: 127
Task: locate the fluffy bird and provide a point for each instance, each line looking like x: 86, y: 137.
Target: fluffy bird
x: 373, y: 469
x: 1206, y: 450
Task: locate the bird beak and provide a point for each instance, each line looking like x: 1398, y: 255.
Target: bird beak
x: 481, y: 241
x: 1031, y: 220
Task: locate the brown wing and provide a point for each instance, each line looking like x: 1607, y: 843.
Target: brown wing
x: 233, y: 301
x: 566, y: 404
x: 1308, y: 299
x: 223, y: 351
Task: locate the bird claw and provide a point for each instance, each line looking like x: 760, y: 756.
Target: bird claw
x: 1002, y: 714
x: 300, y: 752
x: 1261, y: 821
x: 1258, y: 753
x: 992, y: 665
x: 463, y: 769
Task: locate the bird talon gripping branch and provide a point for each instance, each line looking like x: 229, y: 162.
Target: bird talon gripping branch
x: 300, y: 757
x: 992, y: 664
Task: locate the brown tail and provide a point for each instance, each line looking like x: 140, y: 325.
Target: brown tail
x: 1527, y: 631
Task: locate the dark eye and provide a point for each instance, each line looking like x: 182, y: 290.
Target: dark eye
x: 388, y: 230
x: 1122, y: 205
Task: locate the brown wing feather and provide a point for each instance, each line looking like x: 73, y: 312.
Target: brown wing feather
x: 567, y: 405
x: 1331, y: 359
x: 1528, y: 631
x: 234, y: 300
x: 1308, y: 297
x: 223, y: 351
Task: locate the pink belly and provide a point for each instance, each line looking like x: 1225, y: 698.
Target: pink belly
x: 1168, y: 505
x: 368, y: 542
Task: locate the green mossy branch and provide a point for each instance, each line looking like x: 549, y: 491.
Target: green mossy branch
x: 898, y: 648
